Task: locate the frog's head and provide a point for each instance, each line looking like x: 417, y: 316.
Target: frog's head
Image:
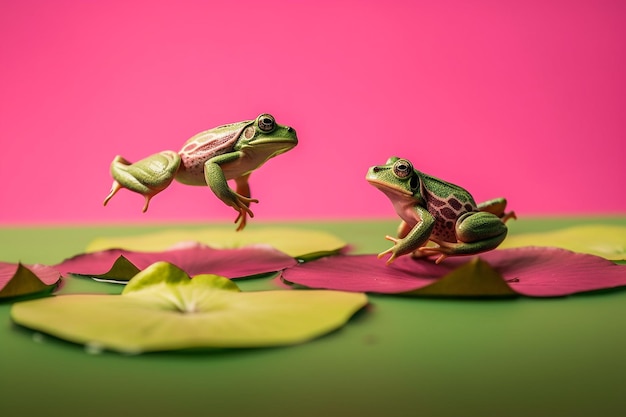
x: 397, y: 178
x: 263, y: 138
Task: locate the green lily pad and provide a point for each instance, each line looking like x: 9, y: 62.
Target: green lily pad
x: 17, y: 280
x: 606, y: 241
x: 161, y: 308
x: 297, y: 243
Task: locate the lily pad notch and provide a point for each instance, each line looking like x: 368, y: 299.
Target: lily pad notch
x: 18, y: 280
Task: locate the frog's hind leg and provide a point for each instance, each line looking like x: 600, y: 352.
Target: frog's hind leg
x: 497, y: 206
x: 476, y: 232
x: 147, y: 177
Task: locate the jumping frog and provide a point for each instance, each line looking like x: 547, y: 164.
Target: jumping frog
x: 435, y: 210
x: 229, y: 152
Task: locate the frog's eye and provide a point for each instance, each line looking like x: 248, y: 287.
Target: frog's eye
x: 402, y: 168
x: 266, y: 122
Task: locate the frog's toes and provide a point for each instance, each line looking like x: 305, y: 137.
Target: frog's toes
x: 242, y: 205
x: 417, y: 254
x: 430, y: 250
x: 440, y: 258
x: 147, y: 202
x: 508, y: 216
x: 242, y: 219
x: 117, y: 186
x: 442, y: 251
x: 114, y: 189
x: 387, y: 252
x: 392, y: 239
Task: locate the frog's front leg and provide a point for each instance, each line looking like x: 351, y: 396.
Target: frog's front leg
x: 497, y: 206
x: 475, y: 231
x: 147, y: 177
x: 410, y: 239
x: 216, y: 180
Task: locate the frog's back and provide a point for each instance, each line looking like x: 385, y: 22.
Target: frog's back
x: 202, y: 147
x: 446, y: 202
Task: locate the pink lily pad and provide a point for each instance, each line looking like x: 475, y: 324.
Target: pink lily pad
x: 18, y: 280
x: 528, y: 271
x: 121, y: 264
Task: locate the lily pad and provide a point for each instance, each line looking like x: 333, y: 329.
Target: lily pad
x: 529, y: 271
x: 601, y: 240
x: 297, y: 243
x: 121, y: 264
x: 161, y: 308
x: 475, y: 278
x: 18, y: 280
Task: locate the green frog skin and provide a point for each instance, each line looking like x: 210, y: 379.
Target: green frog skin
x: 437, y: 211
x: 212, y: 157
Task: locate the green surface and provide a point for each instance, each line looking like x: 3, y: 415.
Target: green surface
x: 403, y: 356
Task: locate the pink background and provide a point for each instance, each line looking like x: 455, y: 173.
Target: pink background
x: 523, y: 99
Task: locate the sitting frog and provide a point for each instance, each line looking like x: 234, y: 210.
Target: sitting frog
x: 229, y: 152
x: 435, y: 210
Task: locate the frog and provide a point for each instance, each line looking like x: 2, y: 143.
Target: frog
x: 438, y: 218
x: 210, y: 158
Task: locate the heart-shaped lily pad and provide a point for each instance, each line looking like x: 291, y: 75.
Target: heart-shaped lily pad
x: 595, y: 239
x: 120, y: 264
x: 297, y: 243
x: 18, y: 280
x: 161, y: 308
x: 529, y: 271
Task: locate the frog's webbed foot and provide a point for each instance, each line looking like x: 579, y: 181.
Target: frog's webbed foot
x: 116, y: 187
x: 426, y: 251
x: 240, y: 201
x: 446, y: 249
x: 147, y: 177
x: 242, y: 205
x: 395, y: 250
x: 392, y: 250
x: 400, y: 247
x: 508, y: 216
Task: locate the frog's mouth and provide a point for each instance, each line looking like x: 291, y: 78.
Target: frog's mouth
x: 389, y: 189
x: 273, y: 147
